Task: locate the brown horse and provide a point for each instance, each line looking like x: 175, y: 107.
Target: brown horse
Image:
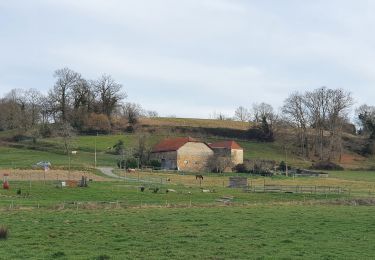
x: 199, y: 176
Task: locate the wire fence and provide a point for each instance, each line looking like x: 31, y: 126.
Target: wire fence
x: 299, y: 189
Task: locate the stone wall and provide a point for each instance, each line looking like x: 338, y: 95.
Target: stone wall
x: 193, y: 156
x: 237, y: 156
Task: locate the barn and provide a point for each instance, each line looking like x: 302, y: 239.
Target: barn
x: 229, y: 149
x: 183, y: 154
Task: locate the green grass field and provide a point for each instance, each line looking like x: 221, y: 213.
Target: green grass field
x: 258, y: 232
x: 25, y: 154
x: 115, y: 220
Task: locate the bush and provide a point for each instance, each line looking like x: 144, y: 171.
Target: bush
x: 4, y: 233
x: 326, y: 165
x: 131, y: 163
x: 155, y: 164
x: 282, y: 166
x: 241, y: 168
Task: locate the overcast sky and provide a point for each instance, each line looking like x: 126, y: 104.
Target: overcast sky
x: 190, y: 58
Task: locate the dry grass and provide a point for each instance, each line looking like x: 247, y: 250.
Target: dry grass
x: 194, y: 122
x: 39, y: 175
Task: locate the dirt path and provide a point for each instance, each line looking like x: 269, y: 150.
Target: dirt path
x: 108, y: 171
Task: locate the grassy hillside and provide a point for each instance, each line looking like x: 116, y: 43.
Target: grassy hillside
x: 24, y: 154
x: 194, y: 122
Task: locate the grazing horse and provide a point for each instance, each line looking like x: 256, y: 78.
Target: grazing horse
x: 199, y: 176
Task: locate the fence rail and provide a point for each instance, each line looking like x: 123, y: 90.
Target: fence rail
x: 299, y: 189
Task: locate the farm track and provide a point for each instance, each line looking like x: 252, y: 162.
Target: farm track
x: 108, y: 171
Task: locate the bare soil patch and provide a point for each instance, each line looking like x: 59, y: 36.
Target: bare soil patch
x: 40, y: 175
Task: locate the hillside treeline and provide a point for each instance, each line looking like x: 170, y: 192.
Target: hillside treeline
x: 319, y: 120
x: 73, y: 102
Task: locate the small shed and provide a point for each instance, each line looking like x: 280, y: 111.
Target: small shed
x: 237, y: 182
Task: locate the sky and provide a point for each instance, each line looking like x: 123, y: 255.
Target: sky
x: 193, y: 58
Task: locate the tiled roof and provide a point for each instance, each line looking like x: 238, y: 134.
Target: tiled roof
x: 172, y: 144
x: 226, y: 144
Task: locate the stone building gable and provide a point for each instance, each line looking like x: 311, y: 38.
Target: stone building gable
x: 193, y: 156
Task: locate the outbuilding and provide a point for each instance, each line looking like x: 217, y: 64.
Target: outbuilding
x: 183, y: 154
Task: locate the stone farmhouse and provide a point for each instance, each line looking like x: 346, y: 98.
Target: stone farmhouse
x: 190, y: 154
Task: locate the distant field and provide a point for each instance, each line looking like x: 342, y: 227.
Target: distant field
x: 195, y: 122
x: 51, y: 149
x: 256, y: 232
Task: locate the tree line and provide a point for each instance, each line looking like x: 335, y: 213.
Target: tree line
x: 318, y: 120
x: 72, y: 102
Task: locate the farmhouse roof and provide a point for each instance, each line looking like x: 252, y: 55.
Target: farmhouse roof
x: 172, y: 144
x: 226, y: 145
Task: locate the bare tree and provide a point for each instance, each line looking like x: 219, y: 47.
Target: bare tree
x: 61, y: 94
x: 295, y: 112
x: 220, y: 164
x: 66, y: 132
x: 324, y: 111
x: 83, y: 102
x: 132, y: 112
x: 34, y: 99
x: 108, y: 93
x: 242, y: 114
x: 339, y: 103
x: 152, y: 114
x: 261, y: 111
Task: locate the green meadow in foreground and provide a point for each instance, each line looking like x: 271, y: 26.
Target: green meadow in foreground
x: 257, y: 232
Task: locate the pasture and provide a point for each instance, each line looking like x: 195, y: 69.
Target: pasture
x: 114, y: 219
x: 25, y: 153
x: 253, y: 232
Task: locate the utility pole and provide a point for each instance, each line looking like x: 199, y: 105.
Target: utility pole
x: 95, y: 151
x: 286, y: 163
x: 69, y: 164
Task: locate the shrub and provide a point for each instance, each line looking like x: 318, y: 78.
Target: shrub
x: 155, y: 164
x: 241, y: 168
x: 326, y: 165
x: 4, y: 233
x: 282, y: 166
x: 19, y: 191
x: 128, y: 163
x: 119, y: 147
